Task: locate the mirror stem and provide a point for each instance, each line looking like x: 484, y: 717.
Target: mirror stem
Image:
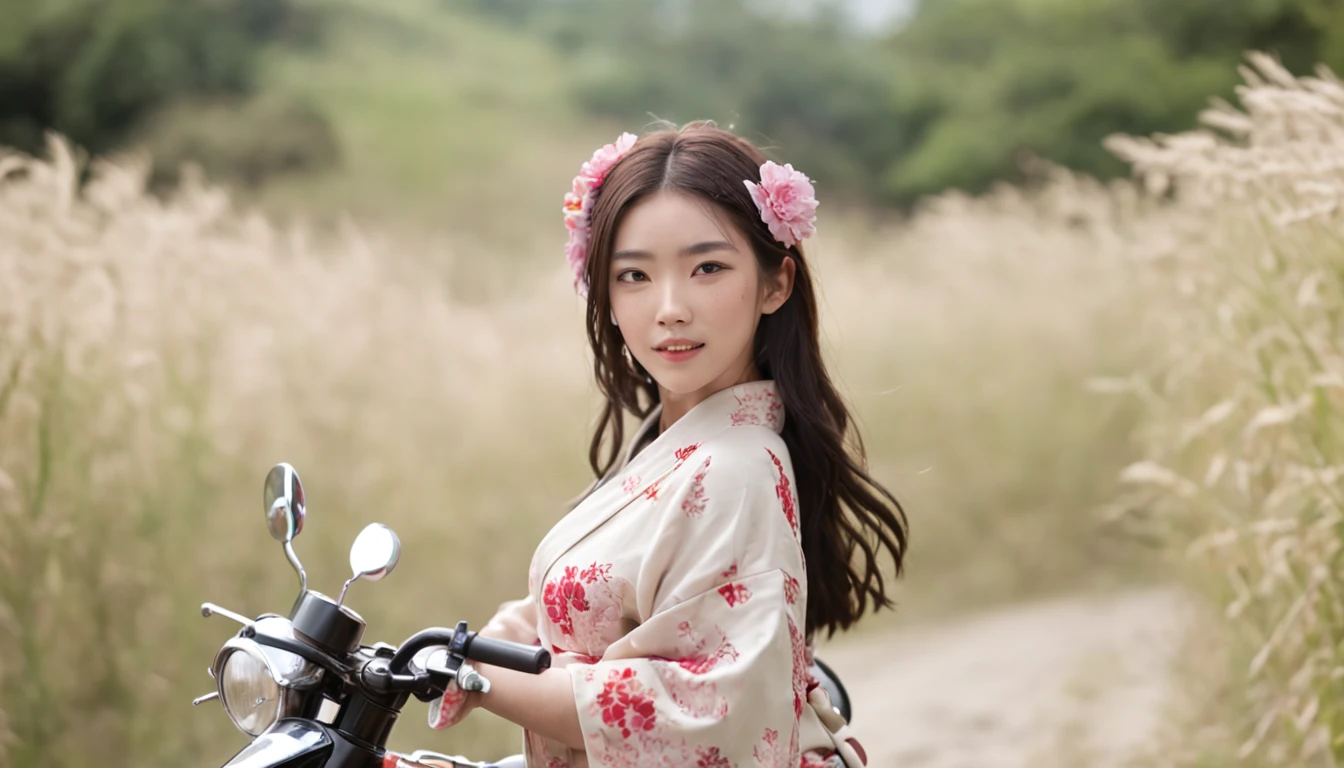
x: 294, y: 560
x: 341, y: 600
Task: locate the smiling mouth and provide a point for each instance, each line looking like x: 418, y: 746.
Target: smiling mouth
x: 679, y: 347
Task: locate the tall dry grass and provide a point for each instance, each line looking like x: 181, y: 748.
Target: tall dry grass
x: 1242, y: 427
x: 156, y: 357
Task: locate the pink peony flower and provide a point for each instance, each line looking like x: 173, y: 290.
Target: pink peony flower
x: 595, y: 170
x: 579, y: 203
x: 576, y: 251
x: 787, y: 202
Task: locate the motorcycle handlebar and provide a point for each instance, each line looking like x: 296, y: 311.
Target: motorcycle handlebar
x: 468, y: 645
x: 503, y: 653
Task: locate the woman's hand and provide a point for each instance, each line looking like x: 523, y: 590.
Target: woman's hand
x: 542, y: 703
x: 455, y: 704
x: 452, y: 707
x: 515, y: 621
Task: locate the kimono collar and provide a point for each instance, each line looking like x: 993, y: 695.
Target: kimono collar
x: 755, y: 402
x: 639, y: 470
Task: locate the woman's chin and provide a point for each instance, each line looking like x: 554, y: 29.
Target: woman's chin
x: 680, y: 383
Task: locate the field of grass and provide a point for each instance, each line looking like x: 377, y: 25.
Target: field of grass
x: 1007, y: 357
x: 1244, y: 409
x: 159, y: 357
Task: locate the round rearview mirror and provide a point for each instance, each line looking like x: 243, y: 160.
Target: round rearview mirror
x: 375, y: 552
x: 284, y: 503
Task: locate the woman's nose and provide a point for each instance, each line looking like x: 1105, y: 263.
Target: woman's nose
x: 672, y: 306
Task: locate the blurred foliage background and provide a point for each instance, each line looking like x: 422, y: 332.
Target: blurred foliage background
x: 988, y: 281
x: 888, y: 108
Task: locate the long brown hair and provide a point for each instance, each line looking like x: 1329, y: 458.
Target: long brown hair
x: 847, y: 517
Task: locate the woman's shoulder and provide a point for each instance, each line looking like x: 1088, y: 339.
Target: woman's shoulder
x: 737, y: 492
x: 739, y: 458
x: 747, y: 446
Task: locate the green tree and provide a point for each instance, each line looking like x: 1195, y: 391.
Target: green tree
x: 1052, y: 78
x: 807, y: 87
x: 93, y: 70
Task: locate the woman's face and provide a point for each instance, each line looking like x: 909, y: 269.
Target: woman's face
x: 683, y: 277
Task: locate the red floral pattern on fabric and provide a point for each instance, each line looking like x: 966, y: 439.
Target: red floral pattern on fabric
x: 581, y: 658
x: 709, y: 757
x: 651, y: 493
x: 791, y: 589
x: 812, y: 681
x: 596, y: 572
x: 760, y: 408
x: 591, y: 593
x: 731, y: 572
x: 449, y: 709
x: 772, y: 753
x: 784, y: 493
x: 696, y: 697
x: 800, y: 672
x: 827, y: 759
x: 735, y: 594
x: 683, y: 454
x: 563, y: 595
x: 698, y: 658
x: 630, y: 484
x: 693, y: 505
x: 626, y: 704
x: 534, y: 746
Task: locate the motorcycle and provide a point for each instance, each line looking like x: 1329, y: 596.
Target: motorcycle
x: 312, y: 695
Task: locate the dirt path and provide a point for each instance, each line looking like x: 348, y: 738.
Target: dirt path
x: 1074, y: 682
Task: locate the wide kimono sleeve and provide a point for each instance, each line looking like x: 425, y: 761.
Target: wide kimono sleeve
x: 515, y: 621
x: 715, y: 673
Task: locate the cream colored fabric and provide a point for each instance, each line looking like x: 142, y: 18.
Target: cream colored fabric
x: 674, y: 596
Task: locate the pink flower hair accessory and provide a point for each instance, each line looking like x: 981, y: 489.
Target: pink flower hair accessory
x: 787, y: 202
x: 579, y: 204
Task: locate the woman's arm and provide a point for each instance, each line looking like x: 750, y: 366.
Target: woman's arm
x: 543, y: 704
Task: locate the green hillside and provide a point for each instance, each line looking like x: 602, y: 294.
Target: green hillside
x: 442, y: 120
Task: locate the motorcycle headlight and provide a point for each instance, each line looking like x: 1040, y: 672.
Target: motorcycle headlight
x: 249, y: 693
x: 259, y: 684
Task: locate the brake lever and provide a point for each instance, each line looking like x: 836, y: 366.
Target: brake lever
x: 210, y: 609
x: 433, y: 679
x: 468, y: 679
x: 437, y: 676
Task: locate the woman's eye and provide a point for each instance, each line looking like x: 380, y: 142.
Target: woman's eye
x: 710, y: 268
x: 631, y: 276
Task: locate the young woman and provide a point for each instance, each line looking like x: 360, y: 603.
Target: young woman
x: 680, y: 595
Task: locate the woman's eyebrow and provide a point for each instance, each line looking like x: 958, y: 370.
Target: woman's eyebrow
x: 707, y: 246
x: 690, y: 250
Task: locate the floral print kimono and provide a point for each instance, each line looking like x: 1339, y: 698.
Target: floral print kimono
x: 674, y: 594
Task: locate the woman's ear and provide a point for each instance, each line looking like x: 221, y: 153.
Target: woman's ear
x: 779, y: 286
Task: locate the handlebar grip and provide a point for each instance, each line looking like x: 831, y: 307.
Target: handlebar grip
x: 503, y: 653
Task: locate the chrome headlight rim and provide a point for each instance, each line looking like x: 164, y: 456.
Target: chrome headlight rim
x: 291, y: 674
x: 253, y: 650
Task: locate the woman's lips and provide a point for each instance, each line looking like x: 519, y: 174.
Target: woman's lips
x: 680, y: 355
